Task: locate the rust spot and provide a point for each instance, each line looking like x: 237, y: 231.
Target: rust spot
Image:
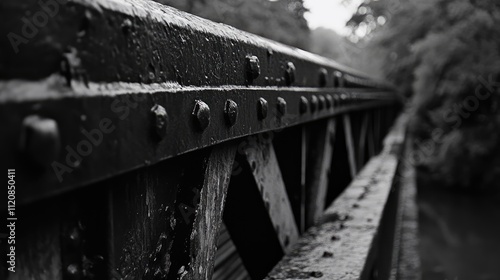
x: 327, y: 254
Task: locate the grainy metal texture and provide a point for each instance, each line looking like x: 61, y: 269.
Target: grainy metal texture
x: 267, y: 175
x: 208, y: 214
x: 146, y: 42
x: 340, y: 247
x: 98, y: 67
x: 93, y: 129
x: 319, y: 158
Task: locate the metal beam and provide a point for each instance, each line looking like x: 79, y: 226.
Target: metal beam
x: 70, y: 142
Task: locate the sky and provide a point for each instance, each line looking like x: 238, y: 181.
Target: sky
x: 332, y: 14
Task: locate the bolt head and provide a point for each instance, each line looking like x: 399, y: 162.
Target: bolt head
x: 289, y: 73
x: 201, y: 115
x: 231, y: 112
x: 252, y: 67
x: 338, y: 79
x: 74, y: 237
x: 322, y: 74
x: 262, y: 108
x: 322, y: 102
x: 304, y: 105
x: 314, y: 103
x: 40, y: 139
x: 329, y: 101
x: 336, y: 100
x: 73, y: 271
x: 281, y: 105
x: 160, y: 119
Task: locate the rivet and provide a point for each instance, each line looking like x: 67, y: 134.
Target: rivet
x: 74, y: 237
x: 329, y: 101
x: 322, y: 77
x: 343, y: 99
x: 73, y: 271
x: 289, y: 73
x: 231, y: 112
x: 322, y: 102
x: 201, y: 114
x: 40, y: 139
x: 160, y: 119
x: 262, y: 108
x: 338, y: 79
x: 336, y: 100
x: 126, y: 26
x: 252, y: 67
x: 304, y: 104
x: 281, y: 105
x: 314, y: 103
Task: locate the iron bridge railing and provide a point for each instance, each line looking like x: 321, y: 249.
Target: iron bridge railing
x: 144, y: 138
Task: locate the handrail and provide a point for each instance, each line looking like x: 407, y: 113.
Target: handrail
x: 106, y: 86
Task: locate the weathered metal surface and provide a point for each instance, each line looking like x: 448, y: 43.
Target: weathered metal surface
x: 319, y: 159
x: 147, y: 82
x: 341, y: 246
x: 145, y: 42
x: 351, y: 149
x: 362, y: 149
x: 261, y: 157
x: 249, y: 223
x: 146, y: 207
x: 208, y: 213
x: 93, y: 130
x: 164, y: 220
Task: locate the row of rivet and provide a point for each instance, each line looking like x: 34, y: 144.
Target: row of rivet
x: 38, y: 132
x: 253, y: 72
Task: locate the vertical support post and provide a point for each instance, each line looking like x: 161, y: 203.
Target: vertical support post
x: 259, y: 215
x: 303, y: 167
x: 318, y: 167
x: 350, y: 145
x: 362, y: 140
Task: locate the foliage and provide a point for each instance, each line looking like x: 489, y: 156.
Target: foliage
x: 445, y: 54
x: 281, y: 20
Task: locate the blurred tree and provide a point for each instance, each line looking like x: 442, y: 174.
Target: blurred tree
x: 280, y: 20
x: 445, y: 54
